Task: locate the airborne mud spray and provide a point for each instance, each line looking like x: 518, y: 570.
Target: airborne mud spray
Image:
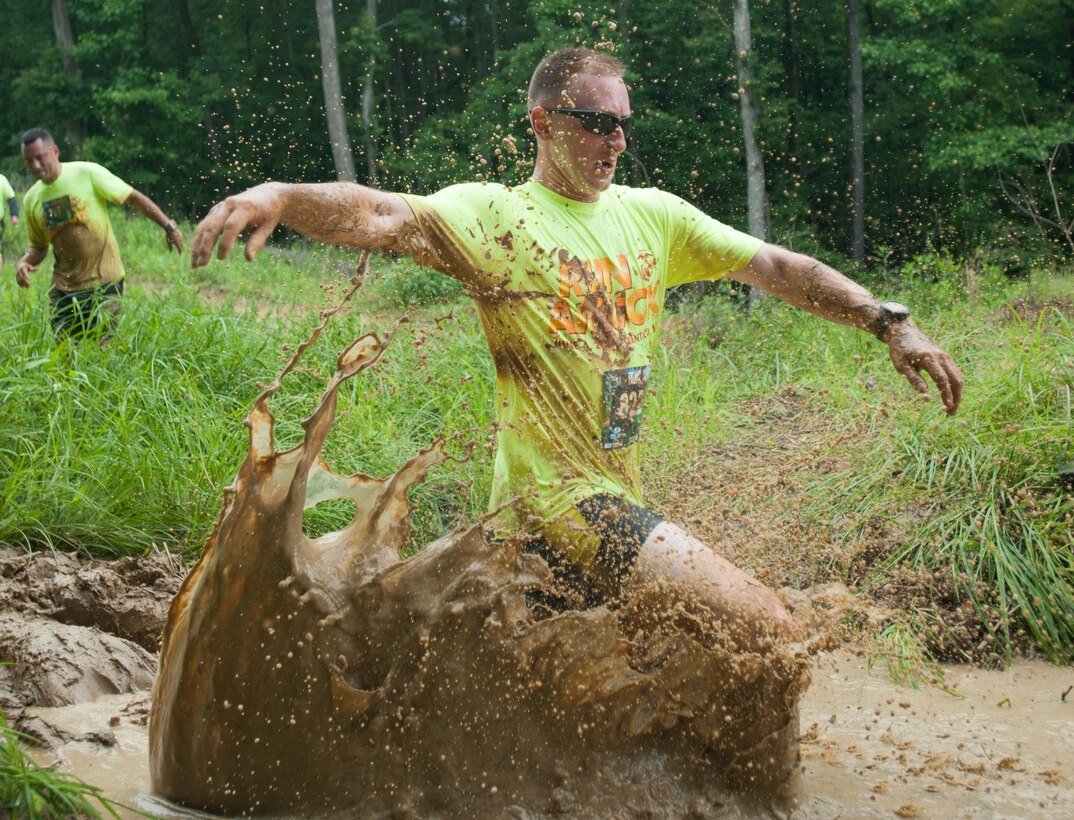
x: 332, y: 675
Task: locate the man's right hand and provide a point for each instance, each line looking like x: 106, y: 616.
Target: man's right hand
x: 257, y: 210
x: 22, y: 273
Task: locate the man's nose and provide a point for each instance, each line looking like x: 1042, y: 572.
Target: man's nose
x: 617, y: 139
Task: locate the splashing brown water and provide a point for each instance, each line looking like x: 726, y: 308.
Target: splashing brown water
x: 332, y: 674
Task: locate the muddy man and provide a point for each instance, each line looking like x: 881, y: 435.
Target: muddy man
x: 569, y: 273
x: 67, y: 208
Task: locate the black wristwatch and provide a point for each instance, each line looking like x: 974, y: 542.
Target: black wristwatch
x: 890, y: 313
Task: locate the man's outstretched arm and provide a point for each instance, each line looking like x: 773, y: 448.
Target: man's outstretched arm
x: 173, y: 237
x: 340, y: 213
x: 814, y: 287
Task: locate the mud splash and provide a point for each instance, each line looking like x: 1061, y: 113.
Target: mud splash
x: 332, y: 674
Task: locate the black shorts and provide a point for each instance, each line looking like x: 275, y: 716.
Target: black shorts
x: 76, y: 313
x: 622, y: 529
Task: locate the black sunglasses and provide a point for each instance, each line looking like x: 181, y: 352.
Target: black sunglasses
x: 597, y: 122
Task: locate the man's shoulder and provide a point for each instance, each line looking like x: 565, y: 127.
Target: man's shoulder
x: 81, y: 166
x: 33, y: 193
x: 475, y: 190
x: 640, y: 196
x: 469, y: 197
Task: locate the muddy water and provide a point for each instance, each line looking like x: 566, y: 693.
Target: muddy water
x: 870, y: 747
x: 332, y: 676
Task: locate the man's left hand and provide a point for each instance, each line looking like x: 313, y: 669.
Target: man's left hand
x: 912, y: 351
x: 173, y: 238
x: 14, y: 220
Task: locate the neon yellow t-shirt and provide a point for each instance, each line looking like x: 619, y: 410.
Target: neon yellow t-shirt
x: 6, y: 193
x: 71, y: 214
x: 570, y: 295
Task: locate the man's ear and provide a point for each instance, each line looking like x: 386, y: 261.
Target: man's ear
x: 541, y: 124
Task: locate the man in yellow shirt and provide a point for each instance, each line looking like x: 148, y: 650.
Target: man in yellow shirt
x: 67, y: 208
x: 9, y: 206
x: 569, y: 273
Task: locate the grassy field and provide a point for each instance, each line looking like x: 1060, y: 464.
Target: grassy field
x: 774, y: 419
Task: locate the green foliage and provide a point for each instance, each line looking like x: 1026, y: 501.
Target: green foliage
x: 987, y: 489
x: 959, y: 94
x: 406, y: 284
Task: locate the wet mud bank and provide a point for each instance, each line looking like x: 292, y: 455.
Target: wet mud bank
x: 73, y: 630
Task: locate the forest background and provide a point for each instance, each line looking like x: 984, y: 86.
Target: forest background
x: 941, y: 173
x: 963, y: 104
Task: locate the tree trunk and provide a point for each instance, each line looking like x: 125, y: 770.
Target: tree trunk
x: 65, y: 41
x: 494, y: 27
x: 792, y: 68
x: 333, y: 93
x: 857, y: 132
x: 368, y: 100
x: 191, y: 34
x: 755, y: 182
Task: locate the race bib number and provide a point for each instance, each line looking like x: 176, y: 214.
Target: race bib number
x: 624, y: 402
x: 58, y: 212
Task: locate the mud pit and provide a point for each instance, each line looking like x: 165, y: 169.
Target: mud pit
x: 869, y: 748
x: 332, y: 675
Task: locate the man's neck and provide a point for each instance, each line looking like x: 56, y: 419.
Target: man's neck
x: 50, y: 181
x: 565, y: 193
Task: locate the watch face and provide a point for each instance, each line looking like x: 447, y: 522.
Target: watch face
x: 894, y: 311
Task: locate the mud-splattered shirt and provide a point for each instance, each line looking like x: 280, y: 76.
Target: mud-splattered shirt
x: 71, y: 214
x: 571, y: 295
x: 7, y: 195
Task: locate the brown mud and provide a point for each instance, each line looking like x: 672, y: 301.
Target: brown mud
x: 83, y: 633
x: 870, y: 748
x: 72, y: 630
x: 334, y: 675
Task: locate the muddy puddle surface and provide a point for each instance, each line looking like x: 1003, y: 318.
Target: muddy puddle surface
x: 870, y: 748
x: 332, y: 676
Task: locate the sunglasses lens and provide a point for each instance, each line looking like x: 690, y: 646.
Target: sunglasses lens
x: 604, y: 124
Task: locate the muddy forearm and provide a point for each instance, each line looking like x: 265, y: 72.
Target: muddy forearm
x: 344, y: 213
x: 148, y: 208
x: 34, y: 256
x: 812, y: 286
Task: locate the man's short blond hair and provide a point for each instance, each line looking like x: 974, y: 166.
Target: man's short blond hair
x: 556, y: 70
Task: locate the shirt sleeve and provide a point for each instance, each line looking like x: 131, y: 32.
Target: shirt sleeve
x: 35, y: 228
x: 704, y: 248
x: 455, y: 236
x: 107, y: 185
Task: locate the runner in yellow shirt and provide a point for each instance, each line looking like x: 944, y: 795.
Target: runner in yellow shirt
x: 67, y: 208
x: 569, y: 273
x: 9, y: 207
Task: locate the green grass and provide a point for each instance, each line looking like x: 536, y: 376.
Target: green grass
x: 982, y: 496
x: 113, y: 450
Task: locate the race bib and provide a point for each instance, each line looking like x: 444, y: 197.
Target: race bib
x: 58, y: 212
x: 624, y: 402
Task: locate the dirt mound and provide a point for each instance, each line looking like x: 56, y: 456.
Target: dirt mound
x: 73, y: 629
x: 1030, y: 308
x: 127, y: 598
